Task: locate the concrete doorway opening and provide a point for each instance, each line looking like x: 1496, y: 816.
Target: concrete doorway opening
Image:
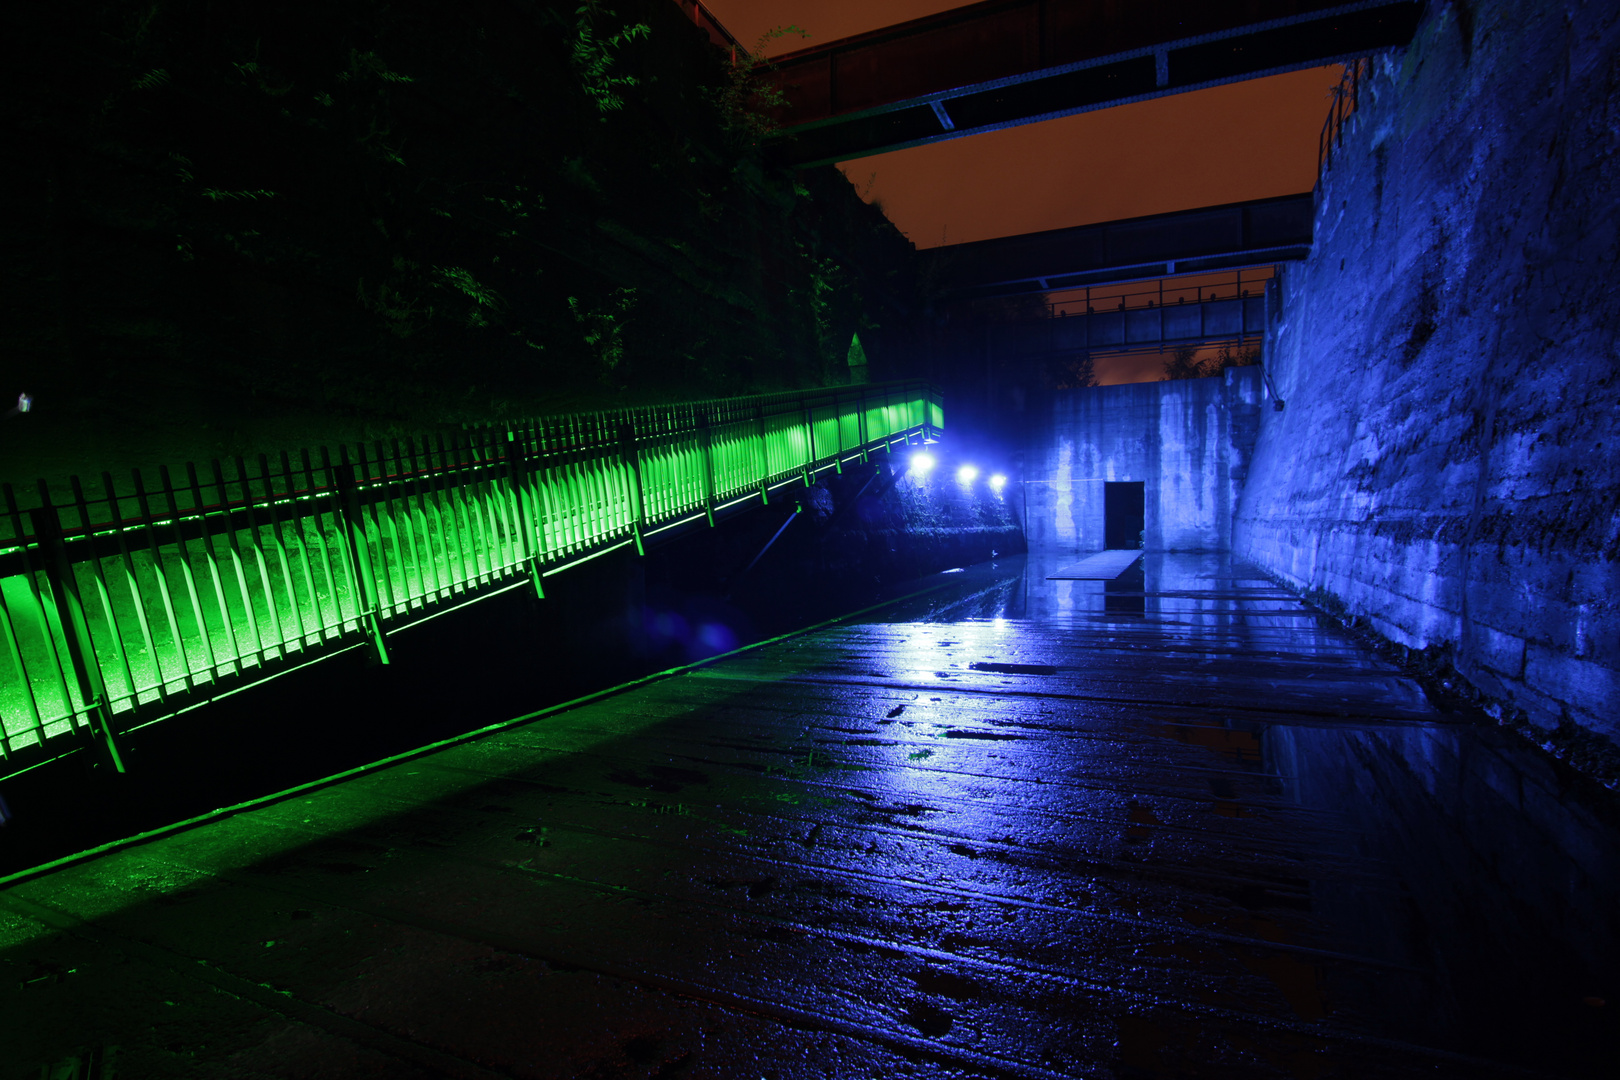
x: 1124, y: 514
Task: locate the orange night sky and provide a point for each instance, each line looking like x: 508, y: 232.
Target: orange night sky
x: 1248, y: 140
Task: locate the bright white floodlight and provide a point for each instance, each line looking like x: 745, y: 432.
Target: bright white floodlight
x: 966, y: 473
x: 922, y: 461
x: 997, y: 482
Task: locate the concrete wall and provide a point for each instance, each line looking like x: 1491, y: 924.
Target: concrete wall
x: 1447, y: 462
x: 1188, y: 441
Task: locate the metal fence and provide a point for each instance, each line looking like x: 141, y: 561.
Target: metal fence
x: 128, y: 604
x: 1346, y: 100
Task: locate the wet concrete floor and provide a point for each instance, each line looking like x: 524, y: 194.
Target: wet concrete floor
x: 1174, y: 825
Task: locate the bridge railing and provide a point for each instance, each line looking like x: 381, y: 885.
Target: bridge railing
x: 121, y: 604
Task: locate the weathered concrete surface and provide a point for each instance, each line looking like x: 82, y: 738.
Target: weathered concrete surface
x: 1176, y: 826
x: 1188, y: 441
x: 1448, y: 463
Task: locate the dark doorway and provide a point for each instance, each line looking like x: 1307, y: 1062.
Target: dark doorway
x: 1124, y: 515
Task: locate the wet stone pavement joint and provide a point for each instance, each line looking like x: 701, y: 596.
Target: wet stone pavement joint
x: 1171, y: 825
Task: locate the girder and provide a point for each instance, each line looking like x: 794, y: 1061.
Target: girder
x: 1006, y: 62
x: 1189, y: 241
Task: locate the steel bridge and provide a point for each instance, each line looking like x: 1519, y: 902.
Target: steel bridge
x: 1002, y: 63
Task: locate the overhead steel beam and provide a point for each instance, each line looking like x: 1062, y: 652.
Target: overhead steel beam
x: 1006, y: 62
x: 1133, y: 249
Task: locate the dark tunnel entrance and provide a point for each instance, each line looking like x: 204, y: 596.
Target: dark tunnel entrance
x: 1124, y: 514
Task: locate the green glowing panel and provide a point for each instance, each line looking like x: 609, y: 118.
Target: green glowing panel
x: 225, y: 574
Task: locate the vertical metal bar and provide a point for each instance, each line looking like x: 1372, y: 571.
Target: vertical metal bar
x: 809, y: 443
x: 632, y: 459
x: 40, y: 613
x: 407, y: 487
x: 390, y: 515
x: 280, y: 540
x: 326, y: 564
x: 164, y: 593
x: 447, y: 499
x: 706, y: 452
x: 500, y: 501
x: 342, y: 543
x: 225, y: 615
x: 136, y: 600
x: 860, y: 426
x: 381, y: 585
x: 475, y: 512
x: 234, y: 547
x: 256, y: 546
x: 419, y: 489
x: 441, y: 523
x: 70, y: 613
x: 517, y: 458
x: 101, y: 590
x: 186, y: 572
x: 359, y: 563
x: 324, y: 557
x: 14, y: 648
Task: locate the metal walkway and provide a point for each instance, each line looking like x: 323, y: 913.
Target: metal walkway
x: 144, y: 599
x: 1009, y: 828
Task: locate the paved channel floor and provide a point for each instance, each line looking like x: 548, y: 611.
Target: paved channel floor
x: 1174, y: 825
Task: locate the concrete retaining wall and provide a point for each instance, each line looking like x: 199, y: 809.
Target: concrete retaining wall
x: 1187, y: 441
x: 1448, y: 459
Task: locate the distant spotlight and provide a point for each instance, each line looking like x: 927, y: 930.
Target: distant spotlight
x: 966, y: 473
x: 997, y: 482
x: 922, y: 461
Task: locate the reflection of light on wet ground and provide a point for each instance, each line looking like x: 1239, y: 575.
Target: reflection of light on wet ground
x: 1010, y: 827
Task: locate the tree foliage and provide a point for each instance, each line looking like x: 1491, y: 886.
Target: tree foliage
x: 404, y: 209
x: 1186, y: 363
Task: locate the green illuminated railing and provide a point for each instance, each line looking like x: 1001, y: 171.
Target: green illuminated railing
x: 131, y: 604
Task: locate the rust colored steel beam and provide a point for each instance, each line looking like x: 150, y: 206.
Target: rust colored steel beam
x: 1005, y: 62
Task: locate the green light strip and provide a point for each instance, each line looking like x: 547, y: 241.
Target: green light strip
x: 274, y: 574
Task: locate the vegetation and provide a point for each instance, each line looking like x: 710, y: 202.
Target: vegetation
x: 1186, y: 363
x: 238, y: 227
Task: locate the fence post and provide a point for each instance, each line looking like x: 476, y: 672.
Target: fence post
x: 764, y: 458
x: 706, y: 446
x: 810, y: 446
x: 354, y: 529
x: 838, y: 434
x: 632, y: 458
x: 81, y: 648
x: 517, y: 456
x: 860, y: 422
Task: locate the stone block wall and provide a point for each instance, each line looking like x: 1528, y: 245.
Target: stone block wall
x: 1188, y: 441
x: 1448, y: 461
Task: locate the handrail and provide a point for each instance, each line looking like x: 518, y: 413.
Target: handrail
x: 1346, y: 100
x: 126, y: 606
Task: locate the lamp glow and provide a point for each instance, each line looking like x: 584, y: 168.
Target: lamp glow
x: 922, y: 461
x: 997, y: 482
x: 966, y: 473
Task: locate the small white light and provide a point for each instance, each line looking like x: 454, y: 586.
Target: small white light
x: 997, y: 482
x: 922, y: 461
x: 966, y: 473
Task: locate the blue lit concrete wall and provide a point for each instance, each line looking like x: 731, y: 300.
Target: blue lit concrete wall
x: 1187, y: 441
x: 1447, y: 461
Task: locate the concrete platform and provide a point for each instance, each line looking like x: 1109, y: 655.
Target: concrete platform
x: 1014, y: 827
x: 1103, y: 566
